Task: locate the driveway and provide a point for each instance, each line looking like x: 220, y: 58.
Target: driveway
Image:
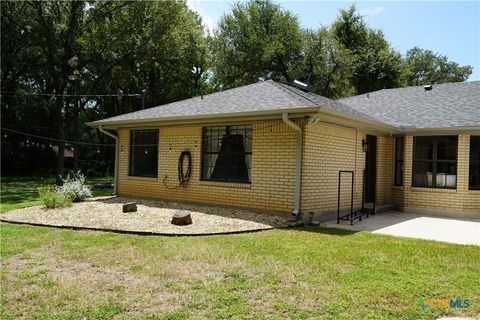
x: 417, y: 226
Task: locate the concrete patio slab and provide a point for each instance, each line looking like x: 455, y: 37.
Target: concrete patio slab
x: 417, y: 226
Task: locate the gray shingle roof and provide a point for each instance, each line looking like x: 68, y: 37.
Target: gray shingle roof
x: 262, y: 96
x: 445, y: 106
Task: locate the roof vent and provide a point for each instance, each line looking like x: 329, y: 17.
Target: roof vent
x: 301, y: 85
x: 428, y: 87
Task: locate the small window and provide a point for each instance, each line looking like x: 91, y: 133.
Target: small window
x: 227, y: 153
x: 144, y: 153
x: 399, y: 154
x: 435, y: 162
x: 474, y: 176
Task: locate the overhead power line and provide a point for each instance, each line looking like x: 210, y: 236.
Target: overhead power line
x: 72, y: 95
x: 57, y: 140
x: 112, y: 144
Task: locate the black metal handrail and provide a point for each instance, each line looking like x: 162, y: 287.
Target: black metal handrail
x: 339, y: 194
x: 353, y: 215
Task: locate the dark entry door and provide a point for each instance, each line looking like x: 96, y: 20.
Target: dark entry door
x: 370, y: 169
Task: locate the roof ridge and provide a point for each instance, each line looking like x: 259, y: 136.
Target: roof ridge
x: 432, y: 84
x: 191, y: 98
x: 319, y: 103
x: 451, y: 104
x: 292, y: 90
x: 409, y: 87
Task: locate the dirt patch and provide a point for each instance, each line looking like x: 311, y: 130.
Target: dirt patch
x: 152, y: 216
x: 63, y: 284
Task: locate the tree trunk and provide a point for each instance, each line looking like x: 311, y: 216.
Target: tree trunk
x: 76, y: 133
x: 61, y: 142
x: 60, y: 156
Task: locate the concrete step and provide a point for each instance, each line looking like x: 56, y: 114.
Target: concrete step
x: 381, y: 208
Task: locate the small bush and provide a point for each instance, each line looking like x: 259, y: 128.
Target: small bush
x: 52, y: 199
x: 74, y: 187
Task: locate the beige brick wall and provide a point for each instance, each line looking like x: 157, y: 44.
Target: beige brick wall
x: 273, y: 170
x: 460, y: 199
x: 329, y: 148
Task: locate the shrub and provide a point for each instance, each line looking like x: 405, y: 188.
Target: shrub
x: 74, y: 187
x: 52, y: 199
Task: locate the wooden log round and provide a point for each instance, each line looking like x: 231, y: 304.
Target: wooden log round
x: 182, y: 218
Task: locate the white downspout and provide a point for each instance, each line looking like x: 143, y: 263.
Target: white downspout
x: 298, y: 163
x: 115, y: 174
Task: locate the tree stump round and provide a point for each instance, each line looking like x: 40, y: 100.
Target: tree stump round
x: 182, y: 218
x: 130, y: 207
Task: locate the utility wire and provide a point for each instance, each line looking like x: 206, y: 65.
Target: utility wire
x: 72, y: 95
x: 56, y: 140
x: 112, y: 144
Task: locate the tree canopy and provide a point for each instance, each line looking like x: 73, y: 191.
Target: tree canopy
x: 64, y: 63
x: 257, y: 40
x: 425, y: 67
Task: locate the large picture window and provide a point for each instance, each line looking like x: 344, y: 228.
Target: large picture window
x: 399, y: 154
x: 144, y: 153
x: 435, y: 162
x: 474, y: 173
x: 227, y: 153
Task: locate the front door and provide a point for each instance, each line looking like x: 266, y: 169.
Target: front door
x: 370, y: 169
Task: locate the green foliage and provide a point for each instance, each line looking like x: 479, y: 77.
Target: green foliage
x: 374, y: 63
x: 157, y: 46
x: 74, y: 187
x: 257, y: 40
x: 105, y: 47
x: 260, y: 40
x: 327, y: 64
x: 115, y: 47
x: 425, y: 67
x: 19, y: 192
x: 52, y: 199
x: 351, y: 30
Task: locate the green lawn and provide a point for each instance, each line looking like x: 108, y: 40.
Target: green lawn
x: 49, y: 273
x: 20, y: 192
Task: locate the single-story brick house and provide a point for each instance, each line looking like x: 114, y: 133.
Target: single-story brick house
x: 274, y: 147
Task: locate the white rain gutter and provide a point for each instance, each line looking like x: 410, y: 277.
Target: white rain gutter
x: 115, y: 174
x: 298, y: 163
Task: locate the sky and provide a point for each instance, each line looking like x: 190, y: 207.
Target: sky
x: 451, y: 28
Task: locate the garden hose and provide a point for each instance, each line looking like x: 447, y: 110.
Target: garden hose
x: 183, y: 175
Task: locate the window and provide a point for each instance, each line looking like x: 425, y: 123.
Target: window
x: 227, y: 153
x: 144, y: 153
x: 435, y: 162
x: 474, y: 176
x: 399, y: 149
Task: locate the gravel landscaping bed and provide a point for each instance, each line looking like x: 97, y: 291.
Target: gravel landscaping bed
x: 152, y: 217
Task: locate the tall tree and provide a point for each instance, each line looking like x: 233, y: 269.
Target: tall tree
x: 375, y: 64
x: 21, y: 64
x: 100, y: 47
x: 327, y: 64
x: 426, y: 67
x: 58, y: 25
x: 157, y: 46
x: 257, y: 40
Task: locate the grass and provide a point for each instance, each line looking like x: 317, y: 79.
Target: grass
x: 49, y: 273
x: 21, y: 192
x: 296, y: 274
